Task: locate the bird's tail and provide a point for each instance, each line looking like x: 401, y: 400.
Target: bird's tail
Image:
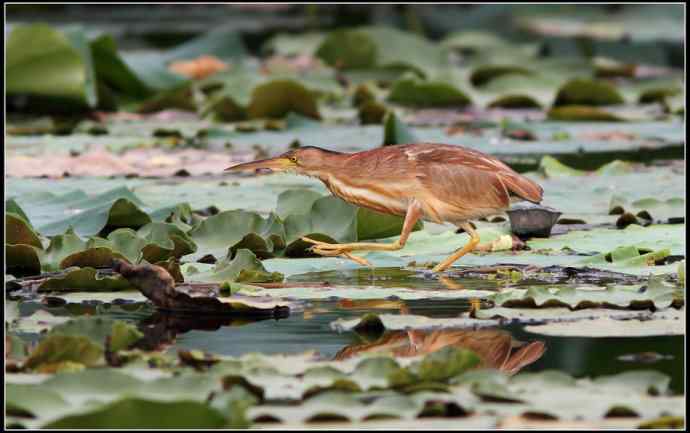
x: 523, y: 187
x: 523, y: 357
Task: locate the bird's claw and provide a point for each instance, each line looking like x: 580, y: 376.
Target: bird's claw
x: 333, y: 250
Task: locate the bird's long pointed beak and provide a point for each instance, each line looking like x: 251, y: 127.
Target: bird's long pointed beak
x: 279, y: 163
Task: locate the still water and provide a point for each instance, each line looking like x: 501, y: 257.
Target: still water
x: 310, y: 330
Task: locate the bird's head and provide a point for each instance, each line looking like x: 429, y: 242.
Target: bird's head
x: 310, y: 161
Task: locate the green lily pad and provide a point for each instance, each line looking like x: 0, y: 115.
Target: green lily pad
x: 11, y: 206
x: 116, y: 208
x: 396, y: 132
x: 539, y: 316
x: 113, y: 71
x: 56, y: 349
x: 19, y: 231
x: 370, y: 224
x: 602, y: 240
x: 246, y: 94
x: 293, y: 44
x: 48, y: 63
x: 348, y: 49
x: 229, y: 231
x: 141, y: 413
x: 418, y: 93
x: 583, y: 113
x: 330, y: 219
x: 381, y: 47
x: 665, y: 322
x: 61, y: 247
x: 551, y: 167
x: 280, y: 97
x: 296, y: 202
x: 244, y: 267
x: 484, y: 74
x: 655, y: 296
x: 23, y: 259
x: 84, y: 279
x: 164, y: 237
x: 23, y: 399
x: 587, y: 93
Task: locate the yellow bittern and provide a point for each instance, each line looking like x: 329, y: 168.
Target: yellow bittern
x: 433, y: 182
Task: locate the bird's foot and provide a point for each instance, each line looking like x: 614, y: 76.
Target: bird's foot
x: 333, y: 250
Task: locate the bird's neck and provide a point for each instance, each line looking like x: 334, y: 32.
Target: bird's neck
x: 336, y: 167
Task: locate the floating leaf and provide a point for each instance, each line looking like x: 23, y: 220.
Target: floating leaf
x: 244, y: 267
x: 551, y: 167
x: 243, y: 94
x: 19, y: 231
x: 112, y: 70
x: 56, y: 349
x: 47, y: 63
x: 587, y: 92
x: 123, y: 335
x: 582, y: 113
x: 115, y: 208
x: 665, y: 322
x: 280, y: 97
x: 23, y: 259
x: 368, y: 47
x: 229, y: 231
x: 85, y: 279
x: 60, y: 247
x: 655, y: 296
x: 296, y: 202
x: 330, y: 219
x: 395, y: 131
x: 414, y: 92
x: 484, y: 74
x: 140, y: 413
x: 164, y: 237
x: 11, y: 206
x: 651, y: 238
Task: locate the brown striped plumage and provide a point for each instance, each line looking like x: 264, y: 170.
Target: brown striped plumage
x: 495, y: 348
x: 453, y: 183
x: 435, y: 182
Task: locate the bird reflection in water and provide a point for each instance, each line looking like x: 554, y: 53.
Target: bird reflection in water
x: 496, y: 348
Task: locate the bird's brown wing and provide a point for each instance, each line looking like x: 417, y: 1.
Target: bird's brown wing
x: 470, y: 180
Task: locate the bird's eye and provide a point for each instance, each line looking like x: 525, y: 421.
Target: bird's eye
x: 293, y: 159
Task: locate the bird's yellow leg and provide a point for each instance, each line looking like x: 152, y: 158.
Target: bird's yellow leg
x: 471, y: 245
x: 414, y: 212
